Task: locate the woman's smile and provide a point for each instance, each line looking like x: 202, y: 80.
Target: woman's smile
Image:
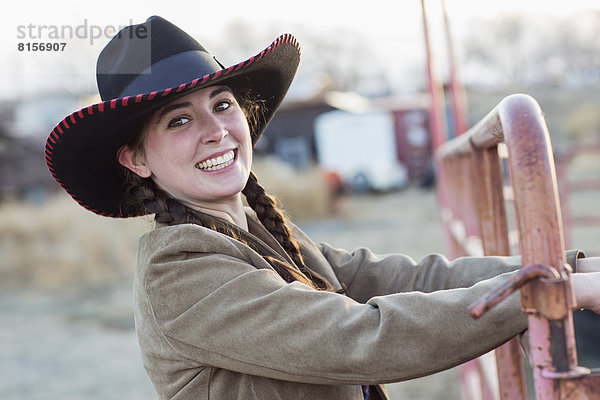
x: 218, y: 162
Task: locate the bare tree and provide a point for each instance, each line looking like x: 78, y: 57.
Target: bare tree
x: 340, y: 55
x: 522, y: 50
x: 501, y: 46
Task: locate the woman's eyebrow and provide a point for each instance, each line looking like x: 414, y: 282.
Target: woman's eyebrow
x: 171, y: 107
x: 219, y: 90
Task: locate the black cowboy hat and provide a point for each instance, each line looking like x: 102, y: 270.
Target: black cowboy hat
x: 141, y: 69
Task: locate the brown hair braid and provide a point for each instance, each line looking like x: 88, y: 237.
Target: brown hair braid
x: 273, y: 219
x: 143, y: 194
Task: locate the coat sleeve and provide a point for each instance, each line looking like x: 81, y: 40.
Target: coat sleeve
x: 220, y: 310
x: 366, y: 274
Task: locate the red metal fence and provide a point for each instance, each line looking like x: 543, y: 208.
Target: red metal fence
x: 472, y: 197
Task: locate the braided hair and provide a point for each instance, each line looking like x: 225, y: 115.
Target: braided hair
x: 273, y: 219
x: 142, y: 193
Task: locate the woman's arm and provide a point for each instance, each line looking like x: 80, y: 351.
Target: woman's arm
x: 586, y: 289
x: 232, y: 311
x: 220, y: 312
x: 589, y: 264
x: 586, y: 284
x: 366, y: 274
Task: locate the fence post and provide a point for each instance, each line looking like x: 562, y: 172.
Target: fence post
x: 487, y: 174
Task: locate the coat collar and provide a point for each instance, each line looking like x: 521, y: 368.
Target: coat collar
x: 257, y: 237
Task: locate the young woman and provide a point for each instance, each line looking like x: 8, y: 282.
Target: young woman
x: 233, y: 301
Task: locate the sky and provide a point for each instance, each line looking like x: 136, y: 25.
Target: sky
x: 392, y: 29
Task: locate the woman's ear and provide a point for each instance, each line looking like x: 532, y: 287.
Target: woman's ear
x: 130, y: 159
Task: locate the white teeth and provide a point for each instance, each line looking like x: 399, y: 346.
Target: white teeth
x: 213, y: 164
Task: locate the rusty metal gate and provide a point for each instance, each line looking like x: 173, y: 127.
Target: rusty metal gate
x: 472, y: 190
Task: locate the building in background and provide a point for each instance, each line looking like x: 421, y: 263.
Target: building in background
x: 24, y: 126
x: 371, y: 143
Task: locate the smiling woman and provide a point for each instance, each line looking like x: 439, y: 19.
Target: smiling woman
x: 237, y: 302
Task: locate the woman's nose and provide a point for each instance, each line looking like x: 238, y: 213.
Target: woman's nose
x: 213, y: 131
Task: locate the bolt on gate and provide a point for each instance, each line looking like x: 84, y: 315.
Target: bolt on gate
x: 471, y: 185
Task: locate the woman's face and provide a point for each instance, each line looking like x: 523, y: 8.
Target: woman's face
x: 197, y: 148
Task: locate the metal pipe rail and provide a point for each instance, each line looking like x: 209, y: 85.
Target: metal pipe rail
x: 471, y: 185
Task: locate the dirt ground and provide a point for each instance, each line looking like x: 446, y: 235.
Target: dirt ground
x: 79, y: 342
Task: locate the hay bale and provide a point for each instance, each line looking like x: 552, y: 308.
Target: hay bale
x: 305, y: 195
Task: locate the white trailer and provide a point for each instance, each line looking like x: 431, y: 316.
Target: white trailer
x: 361, y: 148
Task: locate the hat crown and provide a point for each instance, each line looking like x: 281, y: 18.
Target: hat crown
x: 132, y: 52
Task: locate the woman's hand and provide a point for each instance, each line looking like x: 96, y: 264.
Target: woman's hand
x: 586, y: 290
x: 590, y: 264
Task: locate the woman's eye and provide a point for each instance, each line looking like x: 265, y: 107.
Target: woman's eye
x: 177, y: 122
x: 222, y: 105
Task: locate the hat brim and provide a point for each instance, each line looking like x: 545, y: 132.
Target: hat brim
x: 81, y: 150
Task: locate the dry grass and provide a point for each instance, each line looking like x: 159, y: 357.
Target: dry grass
x: 59, y: 244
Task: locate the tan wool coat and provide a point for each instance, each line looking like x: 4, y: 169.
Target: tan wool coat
x: 215, y: 321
